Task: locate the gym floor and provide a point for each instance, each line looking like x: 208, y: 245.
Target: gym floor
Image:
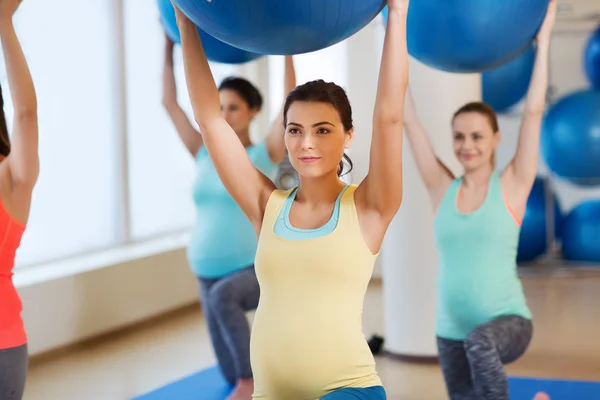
x: 147, y: 356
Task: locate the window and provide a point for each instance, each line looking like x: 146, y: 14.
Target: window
x: 161, y: 171
x: 70, y: 58
x: 75, y: 65
x: 328, y: 64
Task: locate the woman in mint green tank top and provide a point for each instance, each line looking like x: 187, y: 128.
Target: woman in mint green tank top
x: 483, y: 320
x: 223, y: 241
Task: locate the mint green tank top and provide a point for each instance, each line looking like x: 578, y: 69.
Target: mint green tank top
x: 477, y: 278
x: 222, y: 240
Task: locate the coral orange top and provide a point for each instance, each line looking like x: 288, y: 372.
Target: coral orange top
x: 12, y: 331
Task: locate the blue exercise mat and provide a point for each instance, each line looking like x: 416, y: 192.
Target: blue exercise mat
x: 526, y: 388
x: 208, y: 384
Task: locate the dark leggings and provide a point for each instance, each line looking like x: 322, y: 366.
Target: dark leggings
x: 13, y: 372
x: 225, y: 302
x: 474, y: 368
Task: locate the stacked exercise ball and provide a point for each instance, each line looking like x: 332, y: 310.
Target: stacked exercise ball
x: 581, y: 235
x: 533, y: 239
x: 471, y: 35
x: 570, y: 146
x: 216, y: 50
x: 570, y: 142
x: 591, y: 59
x: 281, y: 27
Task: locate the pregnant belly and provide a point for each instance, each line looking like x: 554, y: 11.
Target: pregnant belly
x: 304, y: 358
x: 479, y: 302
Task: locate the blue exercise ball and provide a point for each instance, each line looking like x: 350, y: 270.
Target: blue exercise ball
x: 533, y: 239
x: 505, y: 86
x: 281, y: 27
x: 471, y: 35
x: 570, y: 141
x: 592, y: 59
x: 581, y: 235
x: 215, y: 50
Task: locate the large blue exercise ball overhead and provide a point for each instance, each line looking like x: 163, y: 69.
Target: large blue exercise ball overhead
x: 216, y: 50
x: 533, y: 239
x: 591, y: 58
x: 570, y: 142
x: 581, y: 234
x: 505, y: 86
x: 281, y: 27
x: 471, y: 35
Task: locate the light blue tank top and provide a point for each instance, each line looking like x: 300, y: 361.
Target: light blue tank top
x: 284, y: 229
x: 222, y: 240
x: 477, y: 278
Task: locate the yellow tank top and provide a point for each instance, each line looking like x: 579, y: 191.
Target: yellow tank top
x: 307, y: 338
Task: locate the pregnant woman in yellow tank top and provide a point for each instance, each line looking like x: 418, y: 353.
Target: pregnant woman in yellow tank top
x: 317, y: 243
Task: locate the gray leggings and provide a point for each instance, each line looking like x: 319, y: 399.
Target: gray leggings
x: 474, y: 368
x: 225, y: 302
x: 13, y: 372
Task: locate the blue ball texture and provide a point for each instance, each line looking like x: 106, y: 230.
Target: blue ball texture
x: 505, y: 86
x: 591, y: 59
x: 215, y: 50
x: 281, y: 27
x: 581, y: 236
x: 471, y: 35
x: 570, y: 142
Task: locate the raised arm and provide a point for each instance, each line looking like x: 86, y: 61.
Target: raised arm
x: 22, y: 164
x: 434, y: 173
x: 190, y: 137
x: 275, y: 139
x: 381, y: 190
x: 248, y: 187
x: 520, y: 174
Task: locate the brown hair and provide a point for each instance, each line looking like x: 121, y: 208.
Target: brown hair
x: 483, y: 109
x: 245, y: 90
x: 324, y: 92
x: 4, y: 138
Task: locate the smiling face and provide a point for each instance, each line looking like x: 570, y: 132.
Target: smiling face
x: 315, y: 138
x: 318, y: 128
x: 475, y: 136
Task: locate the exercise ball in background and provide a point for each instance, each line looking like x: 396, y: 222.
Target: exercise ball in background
x: 216, y: 50
x: 505, y: 86
x: 581, y: 235
x: 471, y: 35
x: 570, y: 141
x: 282, y: 27
x: 533, y: 239
x: 591, y: 58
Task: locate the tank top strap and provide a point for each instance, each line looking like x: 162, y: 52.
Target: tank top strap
x: 454, y: 187
x: 449, y: 200
x: 495, y: 190
x: 276, y: 202
x: 347, y: 213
